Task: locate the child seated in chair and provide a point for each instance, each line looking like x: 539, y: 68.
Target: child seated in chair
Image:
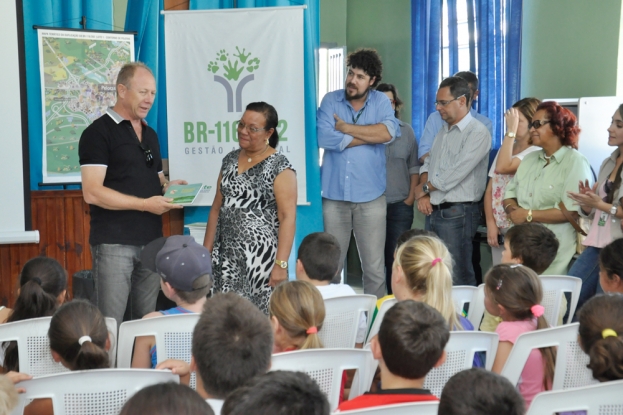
x: 611, y: 267
x: 514, y: 293
x: 79, y: 340
x: 319, y: 263
x: 410, y: 343
x: 534, y: 246
x: 232, y: 343
x: 296, y: 312
x: 42, y: 289
x: 185, y: 269
x: 166, y: 399
x: 480, y: 392
x: 278, y: 393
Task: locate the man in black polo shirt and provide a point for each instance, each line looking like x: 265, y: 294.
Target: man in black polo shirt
x: 122, y: 180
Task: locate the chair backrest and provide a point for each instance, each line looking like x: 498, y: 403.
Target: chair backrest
x: 571, y: 361
x: 604, y: 399
x: 376, y: 324
x: 100, y: 391
x: 460, y: 351
x: 475, y: 296
x: 554, y: 287
x: 33, y: 345
x: 173, y: 334
x: 342, y: 317
x: 419, y: 408
x: 326, y: 367
x: 111, y: 323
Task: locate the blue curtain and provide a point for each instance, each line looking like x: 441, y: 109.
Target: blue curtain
x: 425, y: 59
x: 495, y: 57
x: 308, y: 218
x: 58, y: 14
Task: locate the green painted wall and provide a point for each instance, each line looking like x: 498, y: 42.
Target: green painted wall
x: 333, y: 21
x: 570, y: 48
x: 386, y: 27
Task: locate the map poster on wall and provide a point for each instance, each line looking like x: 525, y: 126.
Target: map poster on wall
x: 78, y: 73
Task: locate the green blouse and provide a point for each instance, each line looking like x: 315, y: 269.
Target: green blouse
x: 540, y: 187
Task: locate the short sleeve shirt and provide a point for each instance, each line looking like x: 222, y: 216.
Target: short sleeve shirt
x: 110, y: 141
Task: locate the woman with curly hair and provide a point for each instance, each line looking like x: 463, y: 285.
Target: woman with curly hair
x: 539, y: 190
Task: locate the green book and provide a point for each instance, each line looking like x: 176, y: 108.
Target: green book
x: 183, y: 194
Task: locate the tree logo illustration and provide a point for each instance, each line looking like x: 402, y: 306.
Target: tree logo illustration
x: 232, y: 72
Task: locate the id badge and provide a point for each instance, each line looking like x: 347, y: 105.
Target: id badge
x: 602, y: 219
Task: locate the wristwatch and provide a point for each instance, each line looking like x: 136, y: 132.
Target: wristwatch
x: 511, y: 134
x: 425, y: 188
x: 282, y: 264
x: 529, y: 217
x: 613, y: 209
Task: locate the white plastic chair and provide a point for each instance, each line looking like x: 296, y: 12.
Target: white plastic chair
x: 460, y: 351
x: 33, y: 345
x: 554, y: 287
x: 173, y: 333
x: 571, y: 361
x: 419, y: 408
x: 376, y: 324
x: 326, y: 366
x: 342, y: 317
x: 462, y: 294
x: 605, y: 398
x: 99, y: 391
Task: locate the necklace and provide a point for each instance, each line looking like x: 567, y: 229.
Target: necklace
x: 250, y: 158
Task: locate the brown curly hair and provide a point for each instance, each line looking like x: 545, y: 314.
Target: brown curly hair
x: 367, y: 60
x: 562, y: 122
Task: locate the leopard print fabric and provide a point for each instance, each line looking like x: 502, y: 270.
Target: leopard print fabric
x: 245, y: 245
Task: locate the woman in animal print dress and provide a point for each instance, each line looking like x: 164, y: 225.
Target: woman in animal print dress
x: 252, y: 221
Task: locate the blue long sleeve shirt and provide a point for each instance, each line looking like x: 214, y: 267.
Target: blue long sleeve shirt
x: 356, y: 174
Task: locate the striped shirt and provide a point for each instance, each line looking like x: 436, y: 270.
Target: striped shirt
x: 457, y: 166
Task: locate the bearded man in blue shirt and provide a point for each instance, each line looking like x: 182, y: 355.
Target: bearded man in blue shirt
x: 354, y: 124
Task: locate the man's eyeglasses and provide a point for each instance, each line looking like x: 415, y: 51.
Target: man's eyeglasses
x: 537, y: 124
x: 149, y: 157
x: 444, y: 103
x: 242, y: 126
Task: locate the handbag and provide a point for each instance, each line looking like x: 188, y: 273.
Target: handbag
x: 581, y: 234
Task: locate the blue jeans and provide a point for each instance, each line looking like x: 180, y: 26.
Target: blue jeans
x: 367, y: 221
x: 456, y: 227
x: 123, y: 287
x: 399, y: 220
x: 586, y: 267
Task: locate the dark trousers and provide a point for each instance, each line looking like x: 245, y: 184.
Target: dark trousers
x: 399, y: 220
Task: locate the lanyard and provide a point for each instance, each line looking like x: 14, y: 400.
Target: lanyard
x: 358, y: 115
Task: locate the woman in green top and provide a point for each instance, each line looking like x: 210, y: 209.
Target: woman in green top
x: 544, y: 178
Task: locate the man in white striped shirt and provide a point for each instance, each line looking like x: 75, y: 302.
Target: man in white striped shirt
x: 454, y: 177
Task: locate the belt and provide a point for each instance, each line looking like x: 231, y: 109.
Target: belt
x: 448, y: 205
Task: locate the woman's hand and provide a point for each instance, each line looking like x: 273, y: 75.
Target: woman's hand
x: 518, y: 215
x: 277, y: 276
x: 492, y: 235
x: 512, y: 120
x: 586, y: 197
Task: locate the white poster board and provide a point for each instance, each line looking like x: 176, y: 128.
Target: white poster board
x: 78, y: 75
x: 594, y: 117
x: 217, y: 62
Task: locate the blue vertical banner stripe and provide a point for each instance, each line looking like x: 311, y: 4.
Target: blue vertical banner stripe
x: 425, y: 59
x: 453, y: 37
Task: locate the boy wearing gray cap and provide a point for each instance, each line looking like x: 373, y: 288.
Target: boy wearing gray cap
x: 185, y: 269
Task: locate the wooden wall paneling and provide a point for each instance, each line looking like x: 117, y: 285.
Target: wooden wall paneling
x: 6, y: 279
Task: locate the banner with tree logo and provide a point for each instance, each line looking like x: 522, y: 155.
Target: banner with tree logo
x: 217, y: 62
